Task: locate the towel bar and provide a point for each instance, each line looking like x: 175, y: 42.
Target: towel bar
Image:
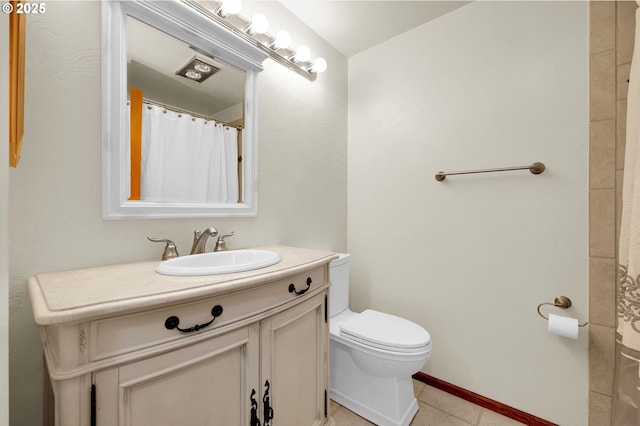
x: 535, y: 168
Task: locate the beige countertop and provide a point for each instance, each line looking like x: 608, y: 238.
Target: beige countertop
x: 84, y: 294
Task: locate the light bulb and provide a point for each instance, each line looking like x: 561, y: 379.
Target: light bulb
x: 230, y: 7
x: 194, y: 75
x: 319, y: 65
x: 203, y: 68
x: 302, y: 54
x: 259, y: 24
x: 282, y: 40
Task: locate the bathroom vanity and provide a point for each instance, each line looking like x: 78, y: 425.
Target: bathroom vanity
x: 125, y: 345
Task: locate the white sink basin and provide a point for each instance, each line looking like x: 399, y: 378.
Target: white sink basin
x: 222, y: 262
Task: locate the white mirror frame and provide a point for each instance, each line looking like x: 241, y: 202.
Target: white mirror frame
x: 187, y: 24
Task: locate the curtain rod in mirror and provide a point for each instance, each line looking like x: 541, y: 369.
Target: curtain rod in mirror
x: 185, y: 112
x: 265, y: 42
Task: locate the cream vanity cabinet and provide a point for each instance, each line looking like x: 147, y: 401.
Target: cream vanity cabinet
x: 127, y: 346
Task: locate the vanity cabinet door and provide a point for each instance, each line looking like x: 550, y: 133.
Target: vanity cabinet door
x: 207, y: 383
x: 294, y: 363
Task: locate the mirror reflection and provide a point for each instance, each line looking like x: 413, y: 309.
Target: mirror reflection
x: 150, y: 50
x: 186, y: 116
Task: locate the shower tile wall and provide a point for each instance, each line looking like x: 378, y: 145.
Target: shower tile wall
x: 612, y: 26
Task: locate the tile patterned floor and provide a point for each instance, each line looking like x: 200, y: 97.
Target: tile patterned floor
x: 437, y: 408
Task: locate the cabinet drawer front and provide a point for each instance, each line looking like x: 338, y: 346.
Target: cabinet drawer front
x: 119, y: 335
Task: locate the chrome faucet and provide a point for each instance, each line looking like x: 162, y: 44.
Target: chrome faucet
x: 200, y: 239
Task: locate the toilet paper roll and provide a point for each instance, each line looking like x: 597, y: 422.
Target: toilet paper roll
x: 563, y: 326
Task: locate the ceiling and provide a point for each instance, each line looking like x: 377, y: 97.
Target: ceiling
x: 354, y: 26
x: 351, y: 26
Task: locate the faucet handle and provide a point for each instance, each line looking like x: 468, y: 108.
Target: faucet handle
x: 170, y: 250
x: 221, y: 245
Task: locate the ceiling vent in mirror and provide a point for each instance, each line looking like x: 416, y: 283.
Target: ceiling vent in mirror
x: 197, y: 70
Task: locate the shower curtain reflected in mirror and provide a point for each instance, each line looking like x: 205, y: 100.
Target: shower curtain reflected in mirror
x: 187, y: 159
x: 626, y: 392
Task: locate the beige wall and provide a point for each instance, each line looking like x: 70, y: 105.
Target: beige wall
x: 490, y: 84
x: 4, y: 225
x: 612, y: 26
x: 55, y: 212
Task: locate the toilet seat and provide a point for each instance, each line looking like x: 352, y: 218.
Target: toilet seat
x: 385, y: 331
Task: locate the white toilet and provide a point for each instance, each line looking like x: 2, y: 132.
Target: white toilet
x: 373, y: 356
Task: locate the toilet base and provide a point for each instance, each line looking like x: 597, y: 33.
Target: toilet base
x: 382, y: 399
x: 373, y: 415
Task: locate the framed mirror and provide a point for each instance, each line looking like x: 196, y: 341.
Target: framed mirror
x: 173, y: 79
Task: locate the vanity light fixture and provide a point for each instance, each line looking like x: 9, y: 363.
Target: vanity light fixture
x: 302, y: 54
x: 197, y: 70
x: 229, y: 7
x: 282, y: 40
x: 319, y: 65
x: 254, y: 31
x: 259, y: 24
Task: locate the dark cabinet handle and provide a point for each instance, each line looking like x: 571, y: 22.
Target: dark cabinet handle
x: 266, y: 405
x: 255, y: 421
x: 173, y: 321
x: 292, y: 287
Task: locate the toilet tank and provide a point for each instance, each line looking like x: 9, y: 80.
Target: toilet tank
x: 339, y: 276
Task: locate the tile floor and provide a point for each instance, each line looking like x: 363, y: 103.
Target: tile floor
x: 437, y: 408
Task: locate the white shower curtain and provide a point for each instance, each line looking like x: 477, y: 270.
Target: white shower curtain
x: 187, y: 159
x: 626, y: 393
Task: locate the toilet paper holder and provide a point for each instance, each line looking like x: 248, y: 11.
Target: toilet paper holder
x: 559, y: 302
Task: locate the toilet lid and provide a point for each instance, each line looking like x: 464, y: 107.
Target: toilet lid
x: 385, y: 331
